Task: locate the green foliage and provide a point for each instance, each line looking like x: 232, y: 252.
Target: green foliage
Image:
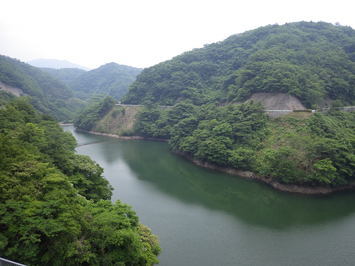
x: 316, y: 151
x: 65, y: 75
x: 48, y: 95
x: 221, y: 135
x: 86, y: 176
x: 313, y: 61
x: 54, y: 207
x: 5, y: 98
x: 93, y: 113
x: 158, y: 122
x: 108, y: 80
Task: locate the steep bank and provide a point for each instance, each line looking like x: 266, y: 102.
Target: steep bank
x: 119, y: 120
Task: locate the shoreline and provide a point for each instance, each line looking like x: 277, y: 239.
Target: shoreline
x: 122, y: 137
x: 297, y: 189
x: 317, y: 190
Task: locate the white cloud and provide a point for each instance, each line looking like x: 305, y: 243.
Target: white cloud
x: 142, y: 33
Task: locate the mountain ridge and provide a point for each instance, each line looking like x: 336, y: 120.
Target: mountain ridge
x: 312, y: 61
x: 54, y: 63
x: 48, y: 95
x: 110, y: 79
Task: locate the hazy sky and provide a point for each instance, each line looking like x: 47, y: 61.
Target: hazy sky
x: 143, y: 33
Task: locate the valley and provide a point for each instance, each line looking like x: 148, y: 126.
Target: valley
x: 229, y: 154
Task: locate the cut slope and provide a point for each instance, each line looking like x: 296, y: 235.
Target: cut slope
x: 119, y: 121
x: 9, y: 89
x: 277, y: 101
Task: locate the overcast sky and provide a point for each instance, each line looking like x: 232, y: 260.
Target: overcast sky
x: 142, y: 33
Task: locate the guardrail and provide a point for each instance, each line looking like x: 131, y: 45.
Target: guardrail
x: 5, y: 262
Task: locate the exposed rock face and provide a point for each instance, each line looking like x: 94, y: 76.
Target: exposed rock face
x: 119, y: 121
x: 15, y: 91
x: 277, y: 101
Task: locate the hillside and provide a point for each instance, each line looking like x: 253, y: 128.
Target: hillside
x: 55, y: 204
x: 110, y: 79
x: 48, y: 95
x: 277, y: 101
x: 313, y: 151
x: 54, y: 63
x: 120, y: 120
x: 312, y: 61
x: 65, y: 75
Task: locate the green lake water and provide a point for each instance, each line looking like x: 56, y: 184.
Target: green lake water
x: 203, y: 217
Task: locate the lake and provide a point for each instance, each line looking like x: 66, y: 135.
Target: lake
x: 203, y: 217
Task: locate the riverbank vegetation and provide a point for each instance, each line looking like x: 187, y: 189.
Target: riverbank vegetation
x: 55, y: 207
x: 211, y: 120
x: 313, y: 150
x: 93, y: 112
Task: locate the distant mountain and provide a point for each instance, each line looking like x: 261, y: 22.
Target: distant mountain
x: 312, y: 61
x: 54, y: 63
x: 48, y: 95
x: 110, y: 79
x: 65, y: 75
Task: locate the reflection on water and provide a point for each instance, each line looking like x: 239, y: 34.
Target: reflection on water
x: 247, y: 200
x: 207, y: 218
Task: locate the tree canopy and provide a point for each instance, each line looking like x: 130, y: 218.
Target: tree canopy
x: 310, y: 151
x: 93, y: 112
x: 48, y: 95
x: 109, y: 80
x: 313, y: 61
x: 54, y: 204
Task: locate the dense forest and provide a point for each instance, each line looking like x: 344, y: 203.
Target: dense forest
x: 208, y: 120
x: 109, y: 80
x: 300, y: 148
x: 312, y: 61
x: 55, y: 205
x: 93, y: 112
x: 48, y: 95
x: 65, y: 75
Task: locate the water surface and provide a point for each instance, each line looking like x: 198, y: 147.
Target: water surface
x: 203, y: 217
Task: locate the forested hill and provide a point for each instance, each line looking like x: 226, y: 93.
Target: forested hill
x: 313, y: 61
x: 48, y: 95
x: 65, y: 75
x: 55, y: 206
x: 110, y: 79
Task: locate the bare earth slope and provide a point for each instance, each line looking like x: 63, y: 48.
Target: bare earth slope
x: 10, y: 89
x: 277, y: 101
x: 120, y: 120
